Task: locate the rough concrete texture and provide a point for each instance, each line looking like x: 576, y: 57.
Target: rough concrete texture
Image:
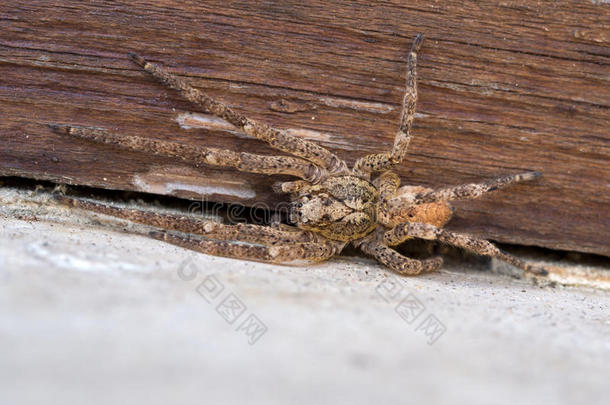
x: 89, y: 314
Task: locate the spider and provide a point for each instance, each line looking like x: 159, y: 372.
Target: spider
x: 332, y: 205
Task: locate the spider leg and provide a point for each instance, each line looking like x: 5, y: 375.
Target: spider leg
x: 420, y: 230
x: 289, y: 186
x: 274, y: 137
x: 461, y: 192
x: 385, y: 161
x: 199, y: 226
x: 387, y: 184
x: 397, y: 262
x: 293, y: 253
x: 245, y: 162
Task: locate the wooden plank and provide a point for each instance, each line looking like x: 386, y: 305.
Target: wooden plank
x: 504, y: 87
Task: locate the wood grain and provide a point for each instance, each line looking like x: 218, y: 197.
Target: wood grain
x: 504, y: 87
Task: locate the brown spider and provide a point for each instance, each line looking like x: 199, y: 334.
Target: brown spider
x: 331, y: 206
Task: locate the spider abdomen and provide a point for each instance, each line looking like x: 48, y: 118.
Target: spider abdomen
x: 434, y: 213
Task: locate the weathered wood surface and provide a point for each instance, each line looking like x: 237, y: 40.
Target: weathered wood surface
x: 504, y: 87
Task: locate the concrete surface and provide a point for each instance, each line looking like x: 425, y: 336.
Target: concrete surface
x: 89, y: 314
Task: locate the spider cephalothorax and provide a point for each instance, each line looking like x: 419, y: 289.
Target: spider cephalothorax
x: 331, y: 205
x: 342, y: 208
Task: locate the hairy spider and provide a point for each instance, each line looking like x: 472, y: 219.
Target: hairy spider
x: 331, y: 205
